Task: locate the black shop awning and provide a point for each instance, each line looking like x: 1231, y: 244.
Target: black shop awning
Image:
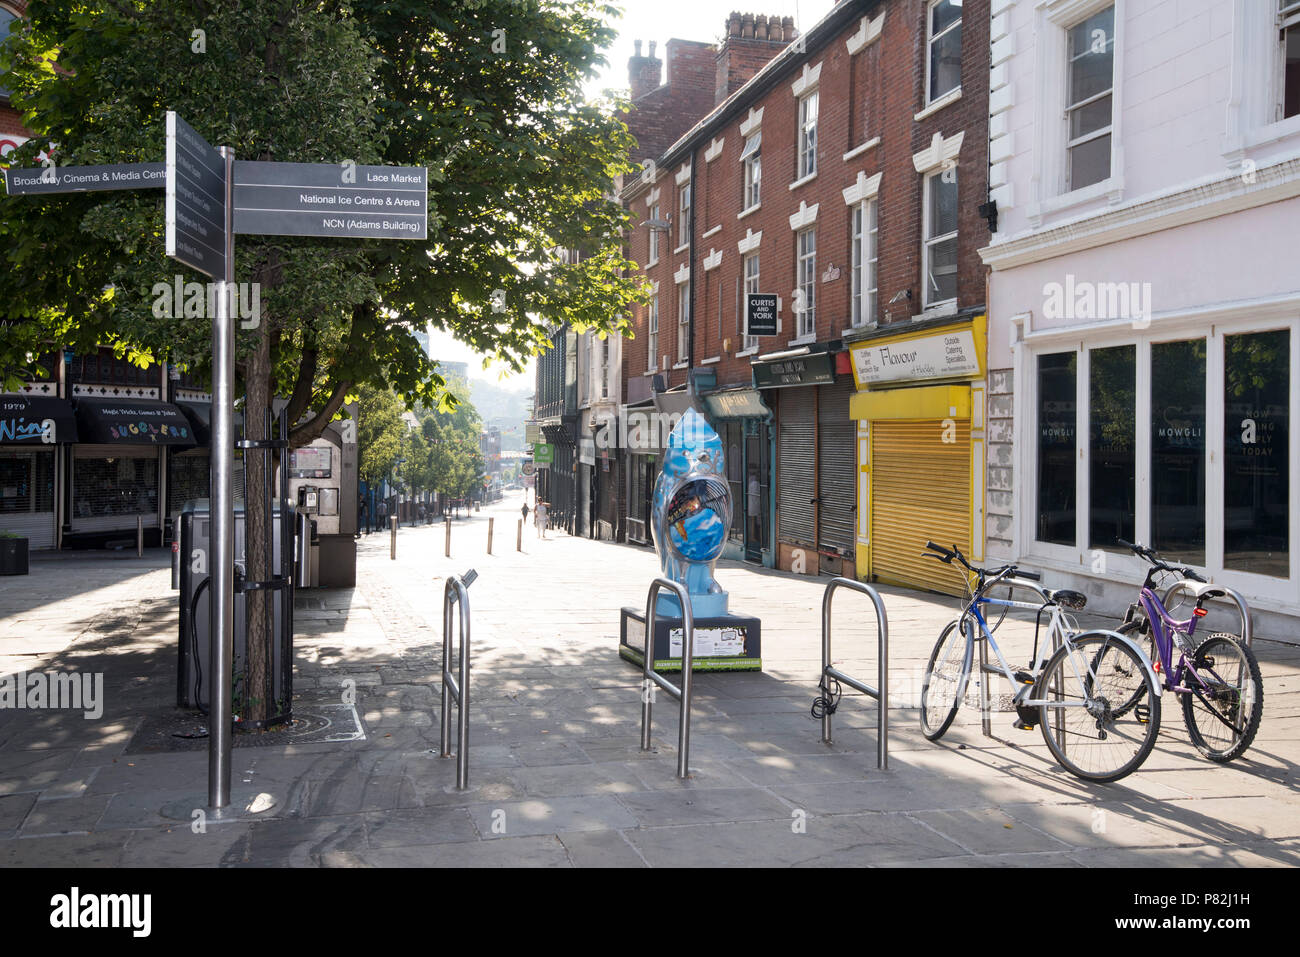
x: 132, y: 422
x: 200, y: 417
x: 36, y: 420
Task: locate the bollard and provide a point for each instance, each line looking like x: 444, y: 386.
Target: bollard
x: 448, y: 523
x: 139, y: 536
x: 392, y: 524
x: 490, y: 522
x: 519, y: 537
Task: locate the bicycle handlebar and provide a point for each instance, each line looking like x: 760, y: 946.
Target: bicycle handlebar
x: 947, y: 556
x: 1143, y: 551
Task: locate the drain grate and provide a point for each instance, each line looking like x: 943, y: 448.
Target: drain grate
x: 321, y: 721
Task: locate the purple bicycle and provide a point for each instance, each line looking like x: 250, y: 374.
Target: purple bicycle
x: 1218, y: 680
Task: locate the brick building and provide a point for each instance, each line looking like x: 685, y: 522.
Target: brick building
x: 847, y: 176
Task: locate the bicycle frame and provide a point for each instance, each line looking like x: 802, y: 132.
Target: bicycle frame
x: 1163, y: 627
x: 1058, y: 635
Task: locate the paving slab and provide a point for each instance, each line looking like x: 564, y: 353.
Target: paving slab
x: 555, y: 758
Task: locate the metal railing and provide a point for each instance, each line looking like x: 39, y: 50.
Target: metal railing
x: 651, y: 677
x: 1229, y: 595
x: 454, y: 593
x: 881, y: 694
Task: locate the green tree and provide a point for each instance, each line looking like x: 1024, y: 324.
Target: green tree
x: 485, y: 93
x: 379, y: 433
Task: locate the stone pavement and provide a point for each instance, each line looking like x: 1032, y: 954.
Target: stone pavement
x: 557, y: 777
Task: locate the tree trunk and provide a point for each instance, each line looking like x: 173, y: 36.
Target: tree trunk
x: 257, y: 691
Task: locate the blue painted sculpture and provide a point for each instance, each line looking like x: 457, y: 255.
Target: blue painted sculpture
x: 691, y: 514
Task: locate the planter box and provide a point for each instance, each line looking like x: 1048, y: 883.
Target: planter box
x: 13, y: 556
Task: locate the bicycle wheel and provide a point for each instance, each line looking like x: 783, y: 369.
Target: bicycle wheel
x: 1079, y: 721
x: 1224, y: 708
x: 945, y: 681
x: 1109, y: 659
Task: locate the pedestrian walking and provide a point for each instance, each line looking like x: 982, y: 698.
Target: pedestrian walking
x: 363, y: 515
x: 381, y: 512
x: 421, y: 513
x: 541, y: 519
x: 524, y: 511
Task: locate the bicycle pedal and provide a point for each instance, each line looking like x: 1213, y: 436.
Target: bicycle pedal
x: 1025, y: 678
x: 1143, y: 713
x: 1028, y: 720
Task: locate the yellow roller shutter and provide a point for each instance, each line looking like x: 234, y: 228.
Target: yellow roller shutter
x: 920, y: 489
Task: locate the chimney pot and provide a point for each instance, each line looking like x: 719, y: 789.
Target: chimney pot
x: 733, y: 24
x: 653, y: 43
x: 637, y: 44
x: 747, y: 26
x: 760, y: 26
x: 787, y: 27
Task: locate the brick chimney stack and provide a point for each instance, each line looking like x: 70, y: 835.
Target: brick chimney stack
x: 644, y: 74
x: 751, y: 41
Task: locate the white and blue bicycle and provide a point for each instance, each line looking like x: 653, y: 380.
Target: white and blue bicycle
x: 1082, y: 714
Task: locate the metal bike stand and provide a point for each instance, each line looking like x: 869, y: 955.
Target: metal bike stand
x: 882, y: 694
x: 986, y: 702
x: 456, y: 593
x: 1229, y: 594
x: 682, y: 694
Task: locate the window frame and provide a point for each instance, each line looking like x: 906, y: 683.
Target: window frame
x: 1078, y: 557
x: 1288, y: 20
x: 863, y: 300
x: 806, y: 135
x: 652, y: 334
x: 930, y: 38
x: 752, y: 169
x: 653, y: 252
x: 806, y: 281
x: 928, y: 241
x: 1072, y: 106
x: 683, y: 320
x: 684, y: 200
x: 750, y: 342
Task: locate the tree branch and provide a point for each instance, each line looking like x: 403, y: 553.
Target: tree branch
x: 312, y: 429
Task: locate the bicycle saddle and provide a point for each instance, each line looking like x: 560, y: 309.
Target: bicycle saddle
x: 1068, y: 598
x: 1207, y: 590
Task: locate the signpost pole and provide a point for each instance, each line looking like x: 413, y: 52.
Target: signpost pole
x: 490, y: 521
x: 223, y: 516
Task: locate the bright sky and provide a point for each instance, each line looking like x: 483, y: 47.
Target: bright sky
x: 646, y: 20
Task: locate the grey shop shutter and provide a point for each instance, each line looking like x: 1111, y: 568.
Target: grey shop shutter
x: 836, y: 466
x: 796, y: 451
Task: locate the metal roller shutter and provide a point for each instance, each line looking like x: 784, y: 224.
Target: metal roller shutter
x: 920, y: 489
x: 837, y: 468
x: 796, y: 455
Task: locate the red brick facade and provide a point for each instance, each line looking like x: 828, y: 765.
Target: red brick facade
x: 11, y: 127
x: 873, y: 93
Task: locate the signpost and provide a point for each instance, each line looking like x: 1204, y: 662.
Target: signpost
x: 196, y: 200
x: 84, y: 179
x: 210, y: 198
x: 198, y: 234
x: 343, y: 201
x: 760, y: 314
x: 543, y: 455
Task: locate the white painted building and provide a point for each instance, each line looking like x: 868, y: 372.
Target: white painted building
x: 1144, y: 295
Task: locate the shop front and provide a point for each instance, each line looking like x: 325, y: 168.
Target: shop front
x: 815, y: 459
x: 35, y: 433
x: 744, y: 423
x: 558, y: 485
x: 919, y: 416
x: 117, y: 472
